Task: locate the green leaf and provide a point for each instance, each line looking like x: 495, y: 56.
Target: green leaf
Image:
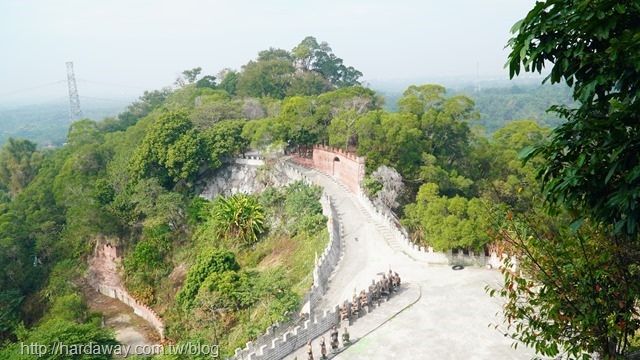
x: 575, y: 224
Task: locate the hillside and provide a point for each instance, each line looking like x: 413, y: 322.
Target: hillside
x: 228, y: 267
x: 47, y: 124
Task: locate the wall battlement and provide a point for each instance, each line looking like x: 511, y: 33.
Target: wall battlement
x: 110, y: 252
x: 283, y: 339
x: 345, y: 167
x: 324, y: 160
x: 113, y: 289
x: 421, y: 253
x: 276, y: 344
x: 139, y: 309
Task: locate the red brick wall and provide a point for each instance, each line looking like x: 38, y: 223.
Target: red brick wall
x: 345, y: 167
x: 110, y: 252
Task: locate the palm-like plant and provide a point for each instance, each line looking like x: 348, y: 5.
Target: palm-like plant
x: 239, y: 217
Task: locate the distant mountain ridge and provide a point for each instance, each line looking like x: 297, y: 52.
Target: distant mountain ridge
x: 47, y: 123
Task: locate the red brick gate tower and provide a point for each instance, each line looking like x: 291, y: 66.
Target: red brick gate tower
x: 345, y: 167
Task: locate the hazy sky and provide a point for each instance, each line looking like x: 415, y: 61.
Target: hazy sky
x: 145, y: 44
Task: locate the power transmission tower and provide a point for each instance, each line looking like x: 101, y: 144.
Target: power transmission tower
x: 75, y: 113
x: 476, y: 88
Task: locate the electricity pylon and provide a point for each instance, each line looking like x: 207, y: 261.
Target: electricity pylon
x: 75, y: 113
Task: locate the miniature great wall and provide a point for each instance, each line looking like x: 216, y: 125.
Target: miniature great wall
x: 282, y: 339
x: 103, y: 276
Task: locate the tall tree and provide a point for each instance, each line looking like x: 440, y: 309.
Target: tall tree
x: 149, y: 101
x: 273, y: 53
x: 581, y: 298
x: 269, y: 78
x: 310, y: 55
x: 19, y: 163
x: 192, y: 75
x: 392, y: 140
x: 170, y: 151
x: 593, y: 165
x: 418, y: 99
x: 229, y: 80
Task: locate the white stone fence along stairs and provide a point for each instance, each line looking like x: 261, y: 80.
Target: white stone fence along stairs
x: 396, y: 234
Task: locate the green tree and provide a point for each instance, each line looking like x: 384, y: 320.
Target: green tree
x: 447, y: 223
x: 450, y: 182
x: 418, y: 99
x: 577, y: 297
x: 84, y: 132
x: 225, y: 139
x: 299, y: 122
x: 510, y: 181
x: 238, y: 218
x: 19, y: 163
x: 170, y: 151
x: 70, y: 333
x: 592, y: 47
x: 210, y: 112
x: 590, y: 168
x: 270, y: 78
x: 307, y: 52
x: 446, y: 129
x: 310, y: 55
x: 302, y: 208
x: 229, y: 82
x: 149, y: 101
x: 273, y: 53
x: 309, y: 83
x: 192, y: 75
x: 342, y: 130
x: 207, y: 81
x: 390, y: 139
x: 208, y: 262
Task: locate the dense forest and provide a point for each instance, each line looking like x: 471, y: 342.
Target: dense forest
x: 210, y: 268
x: 500, y: 104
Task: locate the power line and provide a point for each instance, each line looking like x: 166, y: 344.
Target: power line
x: 109, y: 84
x: 64, y: 82
x: 33, y: 88
x: 104, y: 99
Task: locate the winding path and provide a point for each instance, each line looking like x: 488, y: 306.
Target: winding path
x: 441, y: 313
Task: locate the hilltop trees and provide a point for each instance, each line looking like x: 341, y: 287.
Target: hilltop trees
x: 310, y: 55
x: 265, y: 78
x: 309, y: 69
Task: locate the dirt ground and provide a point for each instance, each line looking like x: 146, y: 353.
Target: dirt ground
x: 130, y: 328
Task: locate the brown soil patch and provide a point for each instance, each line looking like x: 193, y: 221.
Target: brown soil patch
x: 130, y: 328
x: 281, y: 249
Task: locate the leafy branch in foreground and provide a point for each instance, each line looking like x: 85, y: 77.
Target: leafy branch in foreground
x: 574, y: 292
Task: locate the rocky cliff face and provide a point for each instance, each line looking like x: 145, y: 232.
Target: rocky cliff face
x: 242, y: 176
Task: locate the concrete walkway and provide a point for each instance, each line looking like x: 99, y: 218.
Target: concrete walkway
x: 440, y: 313
x: 366, y: 252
